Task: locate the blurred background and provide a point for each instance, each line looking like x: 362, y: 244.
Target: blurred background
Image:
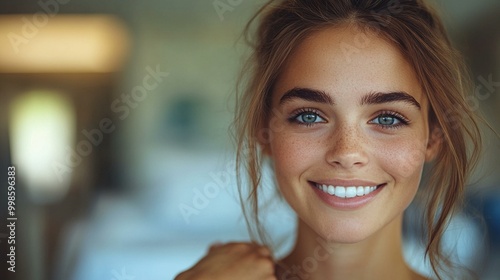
x: 116, y: 114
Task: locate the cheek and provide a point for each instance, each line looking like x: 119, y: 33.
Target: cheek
x: 292, y: 154
x: 402, y: 158
x: 284, y: 154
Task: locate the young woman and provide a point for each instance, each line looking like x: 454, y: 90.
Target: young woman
x: 348, y: 99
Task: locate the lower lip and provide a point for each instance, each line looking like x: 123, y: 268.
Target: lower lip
x: 347, y: 203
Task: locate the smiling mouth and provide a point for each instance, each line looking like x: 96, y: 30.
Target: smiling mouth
x: 347, y: 191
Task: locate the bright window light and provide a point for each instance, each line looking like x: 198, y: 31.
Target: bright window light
x: 41, y: 43
x: 42, y: 125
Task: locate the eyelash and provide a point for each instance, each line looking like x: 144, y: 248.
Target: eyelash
x: 302, y: 111
x: 403, y: 121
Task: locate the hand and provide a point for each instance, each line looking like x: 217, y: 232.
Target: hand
x: 242, y: 261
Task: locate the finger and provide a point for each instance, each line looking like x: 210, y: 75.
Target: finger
x: 264, y: 251
x: 215, y: 245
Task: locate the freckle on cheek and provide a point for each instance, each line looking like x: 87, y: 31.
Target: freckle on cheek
x: 405, y: 160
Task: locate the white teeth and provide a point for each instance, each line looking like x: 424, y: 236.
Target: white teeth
x: 340, y: 191
x: 350, y: 192
x: 360, y: 191
x: 346, y: 192
x: 331, y: 190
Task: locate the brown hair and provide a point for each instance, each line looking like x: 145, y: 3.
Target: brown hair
x: 415, y: 29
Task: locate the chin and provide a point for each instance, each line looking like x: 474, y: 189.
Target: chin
x: 343, y: 233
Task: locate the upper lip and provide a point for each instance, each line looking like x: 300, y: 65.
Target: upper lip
x: 343, y: 182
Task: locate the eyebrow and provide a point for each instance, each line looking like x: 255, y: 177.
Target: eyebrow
x: 372, y: 98
x: 307, y: 94
x: 386, y: 97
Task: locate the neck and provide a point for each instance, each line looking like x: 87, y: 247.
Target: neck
x: 377, y: 257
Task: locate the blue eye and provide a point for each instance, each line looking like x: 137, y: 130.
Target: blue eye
x: 387, y: 120
x: 307, y: 118
x: 390, y: 120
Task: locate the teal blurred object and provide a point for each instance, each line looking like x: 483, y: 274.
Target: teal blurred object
x: 182, y: 120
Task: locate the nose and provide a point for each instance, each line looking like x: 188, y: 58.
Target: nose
x: 346, y: 148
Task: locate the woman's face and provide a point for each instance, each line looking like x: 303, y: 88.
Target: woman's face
x: 348, y: 133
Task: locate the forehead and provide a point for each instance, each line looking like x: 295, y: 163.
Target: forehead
x: 347, y: 60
